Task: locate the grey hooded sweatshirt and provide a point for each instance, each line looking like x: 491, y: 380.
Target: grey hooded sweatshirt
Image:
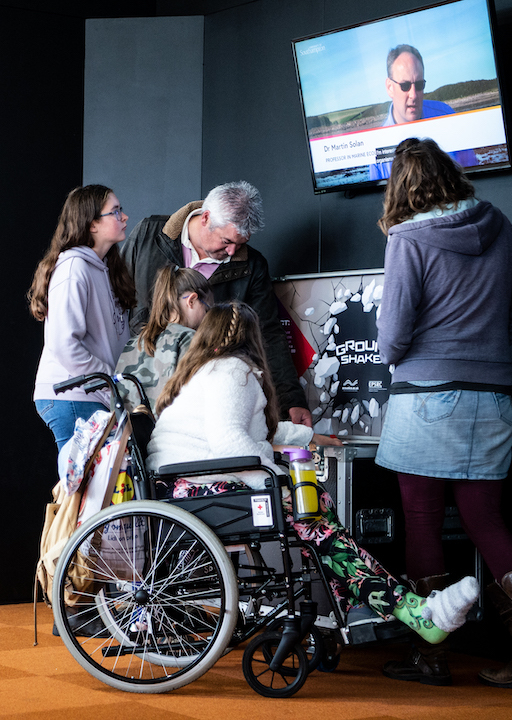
x: 446, y: 306
x: 85, y: 330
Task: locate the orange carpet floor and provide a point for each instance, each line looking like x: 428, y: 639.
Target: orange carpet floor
x: 45, y: 682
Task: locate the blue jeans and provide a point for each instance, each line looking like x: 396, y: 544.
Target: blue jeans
x: 60, y: 416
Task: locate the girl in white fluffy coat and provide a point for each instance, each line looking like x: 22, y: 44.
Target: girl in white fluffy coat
x: 221, y: 403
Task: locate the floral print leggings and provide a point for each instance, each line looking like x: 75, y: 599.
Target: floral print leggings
x: 355, y: 576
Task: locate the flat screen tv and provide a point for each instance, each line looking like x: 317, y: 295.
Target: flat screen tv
x: 431, y: 72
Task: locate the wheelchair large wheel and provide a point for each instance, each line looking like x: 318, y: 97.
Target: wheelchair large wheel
x: 164, y: 597
x: 281, y: 683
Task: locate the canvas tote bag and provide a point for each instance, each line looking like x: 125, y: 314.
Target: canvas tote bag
x: 60, y: 522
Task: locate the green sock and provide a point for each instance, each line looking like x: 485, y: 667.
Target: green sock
x: 408, y: 611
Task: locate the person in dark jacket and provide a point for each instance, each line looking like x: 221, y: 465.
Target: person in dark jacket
x: 212, y: 237
x: 444, y: 325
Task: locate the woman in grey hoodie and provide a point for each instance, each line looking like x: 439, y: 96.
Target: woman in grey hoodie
x: 82, y: 291
x: 444, y: 326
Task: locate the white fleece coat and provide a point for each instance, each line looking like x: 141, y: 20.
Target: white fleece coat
x: 220, y: 413
x: 85, y: 330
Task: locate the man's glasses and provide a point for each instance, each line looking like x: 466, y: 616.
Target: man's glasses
x: 117, y: 212
x: 406, y: 86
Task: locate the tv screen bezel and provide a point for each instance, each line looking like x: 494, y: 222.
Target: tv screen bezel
x: 372, y: 184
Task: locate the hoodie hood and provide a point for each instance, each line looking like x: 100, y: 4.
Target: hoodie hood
x: 469, y: 232
x: 85, y: 253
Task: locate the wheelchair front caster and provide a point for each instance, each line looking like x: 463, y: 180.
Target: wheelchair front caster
x: 331, y: 654
x: 313, y: 643
x: 329, y: 664
x: 281, y: 683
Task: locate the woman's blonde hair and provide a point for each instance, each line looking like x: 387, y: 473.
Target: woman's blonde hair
x: 423, y: 177
x: 228, y: 330
x: 83, y: 205
x: 171, y: 284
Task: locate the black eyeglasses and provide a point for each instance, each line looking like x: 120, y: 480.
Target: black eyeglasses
x: 117, y: 212
x: 406, y: 86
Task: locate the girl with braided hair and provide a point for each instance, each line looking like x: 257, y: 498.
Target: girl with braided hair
x: 221, y: 402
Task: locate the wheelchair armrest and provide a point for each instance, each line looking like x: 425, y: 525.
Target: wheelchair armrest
x: 210, y: 467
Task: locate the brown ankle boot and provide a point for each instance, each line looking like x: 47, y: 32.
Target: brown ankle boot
x: 497, y: 678
x: 425, y: 663
x: 501, y: 598
x: 424, y: 586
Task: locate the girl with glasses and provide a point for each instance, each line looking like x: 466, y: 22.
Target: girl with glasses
x: 82, y: 292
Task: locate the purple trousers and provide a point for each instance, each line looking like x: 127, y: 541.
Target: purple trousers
x: 423, y: 501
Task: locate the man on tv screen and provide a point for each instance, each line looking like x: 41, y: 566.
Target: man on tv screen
x: 405, y: 84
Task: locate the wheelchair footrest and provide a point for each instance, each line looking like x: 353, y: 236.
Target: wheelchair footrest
x: 364, y: 626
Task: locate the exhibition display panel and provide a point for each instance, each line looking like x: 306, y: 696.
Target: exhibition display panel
x: 330, y: 321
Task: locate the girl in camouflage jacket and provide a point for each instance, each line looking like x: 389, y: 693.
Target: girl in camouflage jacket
x: 181, y: 299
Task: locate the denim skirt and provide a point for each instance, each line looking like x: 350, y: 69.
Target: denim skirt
x: 452, y: 434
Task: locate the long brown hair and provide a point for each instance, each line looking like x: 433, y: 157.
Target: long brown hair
x: 171, y: 283
x: 422, y: 178
x: 228, y: 330
x: 83, y: 205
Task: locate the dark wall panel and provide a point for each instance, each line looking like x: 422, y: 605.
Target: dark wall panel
x: 252, y: 127
x: 143, y: 111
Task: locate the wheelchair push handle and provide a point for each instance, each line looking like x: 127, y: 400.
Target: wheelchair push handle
x: 93, y: 382
x: 96, y: 385
x: 102, y: 381
x: 120, y: 377
x: 79, y: 380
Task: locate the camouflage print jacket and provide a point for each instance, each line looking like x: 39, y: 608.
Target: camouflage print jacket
x: 153, y: 372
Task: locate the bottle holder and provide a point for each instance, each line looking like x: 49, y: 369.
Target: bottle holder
x: 309, y: 513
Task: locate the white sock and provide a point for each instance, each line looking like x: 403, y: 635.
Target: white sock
x: 448, y: 608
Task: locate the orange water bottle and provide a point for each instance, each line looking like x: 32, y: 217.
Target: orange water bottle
x: 306, y: 505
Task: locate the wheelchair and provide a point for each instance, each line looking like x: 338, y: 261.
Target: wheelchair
x: 179, y: 583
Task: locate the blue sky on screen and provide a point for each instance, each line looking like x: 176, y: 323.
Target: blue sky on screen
x: 347, y: 69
